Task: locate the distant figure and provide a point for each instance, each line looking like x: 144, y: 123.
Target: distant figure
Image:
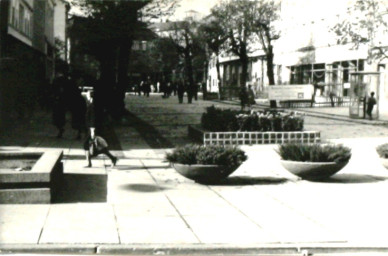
x: 140, y: 88
x: 174, y: 88
x: 251, y: 96
x: 181, y: 91
x: 332, y: 96
x: 59, y: 104
x: 96, y: 145
x: 243, y: 97
x: 371, y: 103
x: 147, y: 87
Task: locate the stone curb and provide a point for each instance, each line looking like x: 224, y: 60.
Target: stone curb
x: 191, y: 249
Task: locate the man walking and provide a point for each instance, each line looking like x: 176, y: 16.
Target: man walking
x: 371, y: 103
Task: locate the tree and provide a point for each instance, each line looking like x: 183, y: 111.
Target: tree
x: 187, y: 45
x: 235, y: 18
x: 363, y: 25
x: 107, y: 32
x: 247, y: 22
x: 212, y: 33
x: 263, y: 25
x: 267, y: 13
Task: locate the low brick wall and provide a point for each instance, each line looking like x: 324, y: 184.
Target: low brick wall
x: 252, y: 138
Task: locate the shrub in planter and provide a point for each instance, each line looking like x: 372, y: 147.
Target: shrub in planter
x: 206, y: 163
x: 215, y: 119
x: 313, y: 161
x: 265, y: 121
x: 382, y: 151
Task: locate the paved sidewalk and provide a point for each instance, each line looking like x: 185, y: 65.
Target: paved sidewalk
x: 153, y: 210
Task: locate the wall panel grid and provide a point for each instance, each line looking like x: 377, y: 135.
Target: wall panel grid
x: 253, y: 138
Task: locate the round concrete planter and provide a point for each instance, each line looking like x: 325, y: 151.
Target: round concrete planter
x: 313, y: 170
x: 384, y: 161
x: 203, y: 173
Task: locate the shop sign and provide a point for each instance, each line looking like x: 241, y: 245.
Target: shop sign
x: 290, y: 92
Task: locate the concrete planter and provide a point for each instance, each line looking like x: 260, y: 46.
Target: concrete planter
x: 203, y: 173
x: 312, y: 170
x: 252, y: 138
x: 38, y: 185
x: 384, y: 161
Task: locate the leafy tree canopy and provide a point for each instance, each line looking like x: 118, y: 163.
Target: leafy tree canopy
x: 365, y: 23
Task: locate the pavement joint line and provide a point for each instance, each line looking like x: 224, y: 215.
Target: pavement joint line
x: 244, y: 214
x: 173, y: 205
x: 116, y: 222
x: 44, y: 224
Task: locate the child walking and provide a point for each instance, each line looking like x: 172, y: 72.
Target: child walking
x: 96, y: 145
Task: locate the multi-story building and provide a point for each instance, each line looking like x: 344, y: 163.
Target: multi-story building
x: 26, y: 54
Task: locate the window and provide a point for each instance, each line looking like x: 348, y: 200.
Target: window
x: 21, y: 17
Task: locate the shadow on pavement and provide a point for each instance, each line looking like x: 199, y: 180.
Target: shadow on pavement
x: 248, y: 180
x: 151, y: 135
x: 149, y: 188
x: 353, y: 179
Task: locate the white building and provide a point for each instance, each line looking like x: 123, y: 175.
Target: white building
x: 308, y: 51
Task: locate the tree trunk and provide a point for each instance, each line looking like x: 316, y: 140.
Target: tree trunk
x: 219, y: 78
x: 122, y: 82
x: 189, y: 74
x: 270, y: 57
x: 103, y: 97
x: 244, y: 71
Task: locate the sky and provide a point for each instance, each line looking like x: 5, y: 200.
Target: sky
x: 201, y: 6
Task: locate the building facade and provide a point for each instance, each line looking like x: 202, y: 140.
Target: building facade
x: 26, y: 55
x: 309, y: 52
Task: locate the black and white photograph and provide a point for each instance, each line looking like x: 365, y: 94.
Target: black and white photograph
x: 194, y: 127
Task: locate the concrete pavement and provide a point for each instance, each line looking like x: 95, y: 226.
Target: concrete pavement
x: 151, y: 209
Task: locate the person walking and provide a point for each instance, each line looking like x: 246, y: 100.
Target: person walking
x: 96, y: 145
x: 180, y: 91
x: 147, y: 87
x: 371, y: 103
x: 243, y: 97
x: 251, y: 96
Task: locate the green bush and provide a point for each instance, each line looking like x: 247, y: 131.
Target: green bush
x: 213, y: 154
x: 223, y: 120
x: 382, y: 150
x: 314, y: 153
x: 215, y: 119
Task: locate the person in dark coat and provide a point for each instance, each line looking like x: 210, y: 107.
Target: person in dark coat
x: 371, y: 103
x: 251, y: 96
x: 147, y: 87
x: 181, y: 91
x: 243, y: 97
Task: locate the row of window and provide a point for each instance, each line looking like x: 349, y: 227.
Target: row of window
x: 21, y: 18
